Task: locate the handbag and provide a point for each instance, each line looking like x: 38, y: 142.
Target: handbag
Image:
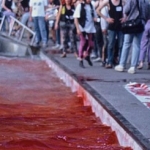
x: 134, y: 25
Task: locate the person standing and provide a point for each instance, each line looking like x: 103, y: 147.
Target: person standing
x: 84, y: 16
x: 132, y: 10
x: 66, y: 21
x: 37, y: 12
x: 114, y: 27
x: 145, y: 46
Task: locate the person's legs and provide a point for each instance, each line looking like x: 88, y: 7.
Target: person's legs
x: 25, y: 18
x: 81, y: 45
x: 120, y: 36
x: 73, y: 39
x: 82, y: 48
x: 145, y: 46
x: 136, y: 49
x: 104, y: 49
x: 89, y: 48
x: 98, y: 42
x: 8, y: 14
x: 128, y: 38
x: 42, y: 28
x: 135, y: 52
x: 47, y: 29
x: 37, y: 30
x: 58, y: 36
x: 125, y: 49
x: 10, y: 21
x: 95, y: 52
x: 111, y: 43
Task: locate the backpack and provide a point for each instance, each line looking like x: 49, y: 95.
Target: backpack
x: 82, y: 18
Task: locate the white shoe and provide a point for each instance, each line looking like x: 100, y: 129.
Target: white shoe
x: 55, y: 47
x: 97, y: 59
x: 44, y: 45
x: 119, y: 68
x: 131, y: 70
x: 93, y: 55
x: 60, y: 47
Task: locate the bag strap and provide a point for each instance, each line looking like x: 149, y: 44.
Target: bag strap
x: 137, y: 2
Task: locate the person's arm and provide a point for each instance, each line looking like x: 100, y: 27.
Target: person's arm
x: 30, y: 10
x: 58, y: 17
x: 77, y: 25
x: 98, y: 10
x: 76, y: 15
x: 30, y: 13
x: 45, y: 5
x: 102, y: 5
x: 3, y: 6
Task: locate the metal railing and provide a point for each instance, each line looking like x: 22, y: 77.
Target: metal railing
x: 22, y: 26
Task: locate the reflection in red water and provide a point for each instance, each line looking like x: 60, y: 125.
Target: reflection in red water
x: 37, y: 112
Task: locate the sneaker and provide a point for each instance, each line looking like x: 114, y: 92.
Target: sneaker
x: 55, y: 47
x: 119, y: 68
x: 98, y: 59
x: 60, y: 47
x: 93, y: 55
x: 102, y: 64
x: 108, y: 66
x: 81, y: 64
x: 44, y: 45
x: 131, y: 70
x: 87, y: 58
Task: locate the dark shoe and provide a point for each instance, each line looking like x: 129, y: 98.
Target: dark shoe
x: 63, y: 55
x: 148, y: 68
x: 81, y: 64
x: 102, y: 64
x: 87, y: 58
x: 108, y: 66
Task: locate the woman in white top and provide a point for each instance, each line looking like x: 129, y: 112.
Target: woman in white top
x: 85, y: 29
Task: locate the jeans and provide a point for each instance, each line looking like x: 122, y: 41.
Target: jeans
x: 40, y: 29
x: 8, y: 14
x: 25, y: 18
x: 111, y: 43
x: 98, y: 42
x: 134, y: 40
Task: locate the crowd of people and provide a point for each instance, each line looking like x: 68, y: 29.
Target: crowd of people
x: 95, y: 24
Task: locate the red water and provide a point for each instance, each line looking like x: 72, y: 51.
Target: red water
x: 37, y: 112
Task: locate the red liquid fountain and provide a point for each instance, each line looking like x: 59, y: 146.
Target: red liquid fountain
x: 37, y: 112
